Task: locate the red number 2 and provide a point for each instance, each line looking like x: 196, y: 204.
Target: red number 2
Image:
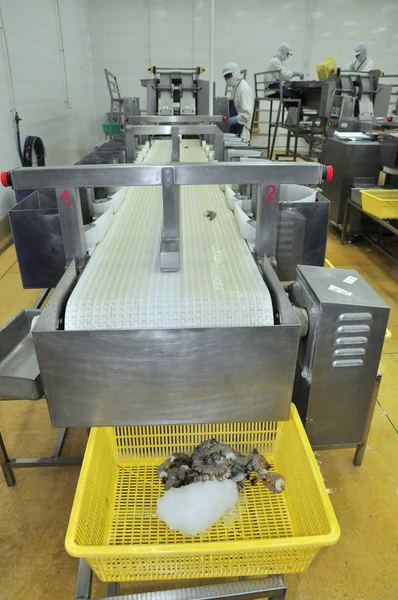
x: 65, y: 194
x: 271, y: 193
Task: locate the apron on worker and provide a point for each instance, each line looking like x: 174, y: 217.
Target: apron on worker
x: 236, y: 128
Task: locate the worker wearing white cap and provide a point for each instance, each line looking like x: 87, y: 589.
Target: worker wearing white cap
x: 242, y: 103
x: 361, y: 62
x: 280, y: 73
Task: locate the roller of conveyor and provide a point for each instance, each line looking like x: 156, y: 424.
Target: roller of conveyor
x: 218, y: 285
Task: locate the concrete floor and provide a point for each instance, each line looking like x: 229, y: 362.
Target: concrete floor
x: 362, y: 566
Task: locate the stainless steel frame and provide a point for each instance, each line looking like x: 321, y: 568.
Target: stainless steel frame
x: 175, y: 119
x: 134, y: 131
x: 65, y: 179
x: 14, y: 389
x: 271, y: 587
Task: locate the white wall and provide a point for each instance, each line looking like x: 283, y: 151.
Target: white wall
x: 60, y: 109
x: 129, y: 35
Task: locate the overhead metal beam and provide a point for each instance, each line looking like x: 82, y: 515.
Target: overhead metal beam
x: 76, y: 176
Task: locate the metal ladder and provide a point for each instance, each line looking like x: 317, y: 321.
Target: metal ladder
x: 116, y: 113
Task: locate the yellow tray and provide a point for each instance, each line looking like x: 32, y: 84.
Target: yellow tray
x: 113, y: 524
x: 380, y: 203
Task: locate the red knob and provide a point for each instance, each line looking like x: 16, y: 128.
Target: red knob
x: 389, y: 119
x: 4, y: 178
x: 329, y: 173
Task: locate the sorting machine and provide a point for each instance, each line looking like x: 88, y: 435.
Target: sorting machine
x: 176, y: 91
x: 176, y: 319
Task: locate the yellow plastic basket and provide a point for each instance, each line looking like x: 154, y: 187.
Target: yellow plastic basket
x: 113, y: 524
x: 380, y: 203
x: 324, y: 68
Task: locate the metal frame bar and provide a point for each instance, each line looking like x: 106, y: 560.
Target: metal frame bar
x: 133, y: 131
x: 271, y: 587
x: 8, y: 465
x: 170, y: 176
x: 347, y: 220
x: 169, y: 255
x: 175, y: 119
x: 360, y: 449
x: 149, y: 174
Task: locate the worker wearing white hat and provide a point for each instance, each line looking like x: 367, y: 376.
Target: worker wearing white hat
x: 361, y: 62
x: 242, y: 104
x: 280, y: 73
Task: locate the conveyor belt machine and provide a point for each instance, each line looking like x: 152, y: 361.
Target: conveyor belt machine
x: 321, y: 348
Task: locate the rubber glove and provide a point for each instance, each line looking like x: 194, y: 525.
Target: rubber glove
x: 233, y: 120
x: 298, y: 74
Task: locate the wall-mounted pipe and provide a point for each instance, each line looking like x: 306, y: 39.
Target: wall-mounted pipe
x: 8, y: 61
x: 62, y: 51
x: 211, y: 46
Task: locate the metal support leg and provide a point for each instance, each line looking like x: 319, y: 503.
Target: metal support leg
x: 84, y: 581
x: 267, y: 220
x: 59, y: 443
x: 4, y: 464
x: 296, y: 137
x: 276, y: 129
x: 112, y: 589
x: 271, y: 587
x: 360, y: 451
x: 347, y: 213
x: 269, y: 129
x: 175, y: 145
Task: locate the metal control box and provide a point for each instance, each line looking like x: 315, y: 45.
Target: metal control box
x: 339, y: 358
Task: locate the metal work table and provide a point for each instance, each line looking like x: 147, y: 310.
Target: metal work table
x: 271, y: 587
x: 384, y: 224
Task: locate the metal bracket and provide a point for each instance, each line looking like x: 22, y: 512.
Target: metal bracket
x: 169, y: 256
x: 175, y: 145
x: 71, y: 220
x: 267, y: 220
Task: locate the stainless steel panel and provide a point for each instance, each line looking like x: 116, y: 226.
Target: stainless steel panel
x: 334, y: 399
x: 19, y: 369
x: 302, y: 236
x: 37, y: 238
x: 166, y: 376
x: 96, y: 378
x: 350, y: 160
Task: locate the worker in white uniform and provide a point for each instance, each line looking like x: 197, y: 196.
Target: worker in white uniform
x: 242, y: 101
x: 277, y: 72
x: 361, y: 62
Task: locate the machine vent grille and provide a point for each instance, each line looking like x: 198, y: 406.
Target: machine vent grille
x: 351, y: 339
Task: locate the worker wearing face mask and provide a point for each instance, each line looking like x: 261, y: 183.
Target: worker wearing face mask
x: 361, y: 62
x: 241, y: 103
x: 277, y: 72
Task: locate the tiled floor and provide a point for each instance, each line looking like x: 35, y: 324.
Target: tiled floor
x: 362, y: 566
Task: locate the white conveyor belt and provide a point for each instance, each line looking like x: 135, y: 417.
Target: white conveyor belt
x: 218, y: 285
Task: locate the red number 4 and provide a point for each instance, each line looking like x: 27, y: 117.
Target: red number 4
x: 271, y: 192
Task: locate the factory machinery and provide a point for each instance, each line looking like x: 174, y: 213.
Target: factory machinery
x: 343, y: 102
x: 192, y: 309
